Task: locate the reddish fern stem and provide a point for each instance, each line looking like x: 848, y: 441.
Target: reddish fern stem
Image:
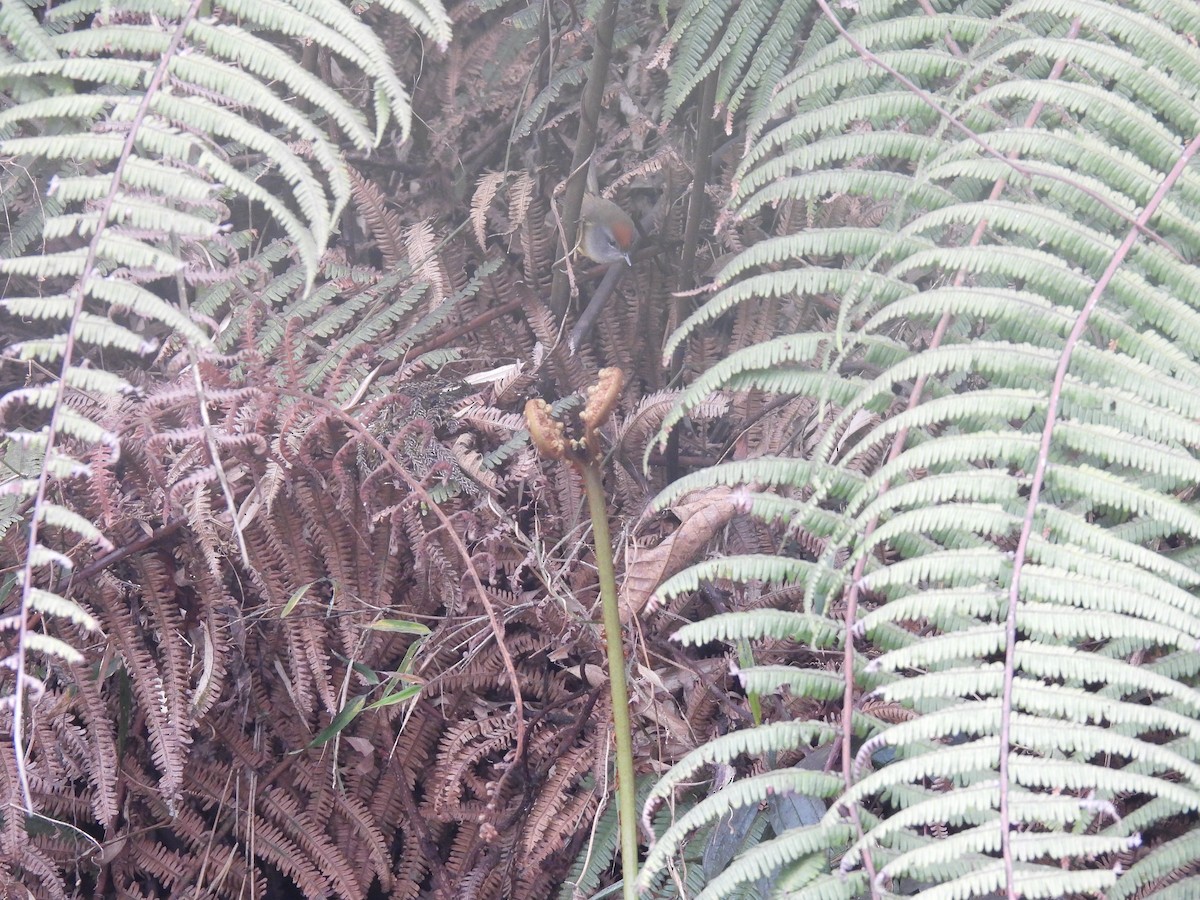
x: 1039, y: 475
x: 96, y: 566
x: 851, y: 613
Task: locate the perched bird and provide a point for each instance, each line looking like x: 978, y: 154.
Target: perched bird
x: 606, y: 232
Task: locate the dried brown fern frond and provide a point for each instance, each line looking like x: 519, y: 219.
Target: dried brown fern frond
x: 383, y: 223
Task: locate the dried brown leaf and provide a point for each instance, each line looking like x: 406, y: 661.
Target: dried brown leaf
x: 485, y: 192
x: 646, y: 568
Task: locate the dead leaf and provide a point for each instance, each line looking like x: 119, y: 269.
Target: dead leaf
x: 702, y: 516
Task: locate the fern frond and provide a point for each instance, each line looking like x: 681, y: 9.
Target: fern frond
x: 1005, y: 149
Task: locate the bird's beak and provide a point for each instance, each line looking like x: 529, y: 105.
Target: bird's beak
x: 628, y: 259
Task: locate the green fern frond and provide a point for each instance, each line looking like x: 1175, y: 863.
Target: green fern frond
x: 749, y: 567
x: 1001, y: 235
x: 739, y: 794
x: 768, y: 857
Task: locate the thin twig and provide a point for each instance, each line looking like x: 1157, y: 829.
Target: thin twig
x: 96, y: 566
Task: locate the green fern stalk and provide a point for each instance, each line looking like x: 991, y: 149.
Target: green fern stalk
x: 618, y: 688
x: 582, y: 450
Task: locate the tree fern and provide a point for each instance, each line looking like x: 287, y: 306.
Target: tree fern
x: 1006, y: 150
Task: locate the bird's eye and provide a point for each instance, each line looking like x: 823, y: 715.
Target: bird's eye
x: 612, y: 242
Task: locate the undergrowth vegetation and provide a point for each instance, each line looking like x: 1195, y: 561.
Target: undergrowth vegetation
x: 901, y: 479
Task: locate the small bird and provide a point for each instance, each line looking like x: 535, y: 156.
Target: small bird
x: 606, y: 232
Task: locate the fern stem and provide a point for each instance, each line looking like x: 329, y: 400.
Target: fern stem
x: 618, y: 687
x: 1053, y: 407
x: 585, y: 146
